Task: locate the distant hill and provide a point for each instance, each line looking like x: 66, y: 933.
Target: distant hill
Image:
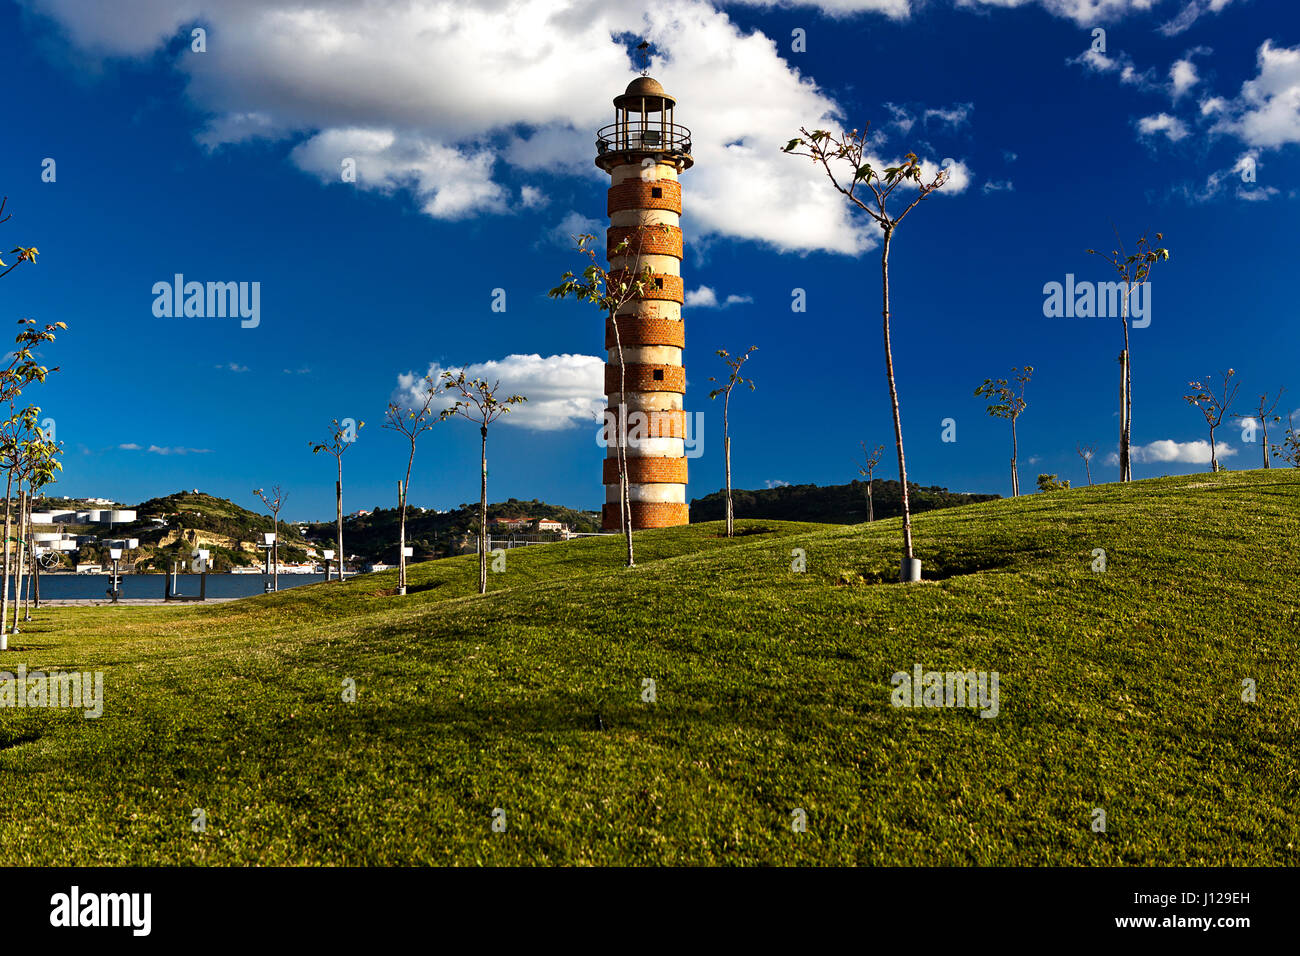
x: 187, y: 520
x: 830, y: 504
x: 373, y: 537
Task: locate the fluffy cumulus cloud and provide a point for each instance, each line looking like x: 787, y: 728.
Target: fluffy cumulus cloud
x: 1187, y: 452
x: 445, y: 100
x: 1182, y: 77
x: 562, y: 390
x: 1267, y: 111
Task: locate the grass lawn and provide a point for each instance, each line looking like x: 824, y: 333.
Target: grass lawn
x: 1120, y: 690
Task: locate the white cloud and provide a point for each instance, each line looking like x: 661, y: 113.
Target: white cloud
x: 993, y: 186
x: 164, y: 450
x: 1182, y: 77
x: 1172, y: 127
x: 451, y: 183
x: 1118, y: 63
x: 956, y: 115
x: 1190, y: 14
x: 1242, y: 173
x: 573, y: 224
x: 1257, y: 193
x: 1086, y: 13
x: 895, y: 9
x: 232, y: 367
x: 900, y: 118
x: 530, y: 197
x: 442, y: 99
x: 705, y: 298
x: 1189, y: 452
x: 562, y: 390
x: 775, y: 483
x: 1267, y: 111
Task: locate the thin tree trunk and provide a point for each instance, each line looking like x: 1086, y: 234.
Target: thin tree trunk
x: 893, y: 396
x: 30, y: 557
x: 338, y: 510
x: 624, y: 491
x: 4, y: 596
x: 1126, y: 400
x: 1214, y: 452
x: 27, y: 587
x: 275, y: 547
x: 1015, y: 451
x: 22, y: 553
x: 1087, y: 466
x: 401, y: 532
x: 1262, y: 422
x: 870, y: 505
x: 726, y: 449
x: 482, y: 520
x: 1128, y: 407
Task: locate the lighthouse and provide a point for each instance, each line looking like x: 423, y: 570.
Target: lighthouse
x: 645, y: 152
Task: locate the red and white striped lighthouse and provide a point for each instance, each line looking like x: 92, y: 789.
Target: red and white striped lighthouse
x: 645, y: 152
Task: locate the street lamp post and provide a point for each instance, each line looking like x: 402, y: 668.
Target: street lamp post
x: 269, y: 543
x: 329, y: 556
x: 116, y: 555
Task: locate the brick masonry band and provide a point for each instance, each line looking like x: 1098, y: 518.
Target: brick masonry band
x: 652, y: 240
x: 668, y: 423
x: 641, y: 378
x: 661, y: 286
x: 647, y: 470
x: 639, y: 330
x: 641, y: 195
x: 647, y: 514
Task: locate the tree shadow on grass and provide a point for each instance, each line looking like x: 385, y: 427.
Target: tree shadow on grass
x: 940, y: 568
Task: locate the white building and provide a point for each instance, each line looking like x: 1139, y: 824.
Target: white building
x: 92, y: 516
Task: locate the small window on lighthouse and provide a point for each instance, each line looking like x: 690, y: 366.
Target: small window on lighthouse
x: 659, y: 283
x: 656, y: 192
x: 659, y: 375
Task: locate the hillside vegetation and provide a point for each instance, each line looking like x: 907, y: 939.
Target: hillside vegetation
x: 437, y: 533
x: 834, y: 504
x: 1120, y: 690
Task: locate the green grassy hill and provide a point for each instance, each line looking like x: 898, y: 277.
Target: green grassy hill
x: 1120, y: 690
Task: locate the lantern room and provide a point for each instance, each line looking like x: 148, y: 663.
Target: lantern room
x: 643, y: 125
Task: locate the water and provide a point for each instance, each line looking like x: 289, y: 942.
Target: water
x: 74, y: 587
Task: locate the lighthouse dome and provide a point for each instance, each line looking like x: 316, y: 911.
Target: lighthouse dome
x: 647, y: 90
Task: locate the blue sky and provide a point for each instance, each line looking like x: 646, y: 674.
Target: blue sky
x: 471, y: 129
